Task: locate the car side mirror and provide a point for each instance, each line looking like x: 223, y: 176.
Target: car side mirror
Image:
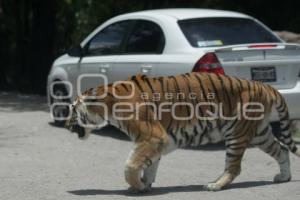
x: 76, y: 51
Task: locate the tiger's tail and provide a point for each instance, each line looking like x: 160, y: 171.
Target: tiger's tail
x: 285, y: 123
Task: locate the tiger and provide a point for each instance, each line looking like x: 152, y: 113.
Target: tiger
x: 155, y: 134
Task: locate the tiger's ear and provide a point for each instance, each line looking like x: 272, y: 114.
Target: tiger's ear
x: 139, y: 75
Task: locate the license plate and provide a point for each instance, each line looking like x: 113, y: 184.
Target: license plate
x: 264, y: 74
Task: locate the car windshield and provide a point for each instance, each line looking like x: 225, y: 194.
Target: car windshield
x: 219, y: 31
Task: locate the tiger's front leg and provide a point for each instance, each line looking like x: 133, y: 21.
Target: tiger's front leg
x: 133, y: 177
x: 144, y: 158
x: 151, y: 140
x: 150, y: 174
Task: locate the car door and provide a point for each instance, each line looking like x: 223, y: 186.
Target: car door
x: 141, y: 51
x: 100, y: 53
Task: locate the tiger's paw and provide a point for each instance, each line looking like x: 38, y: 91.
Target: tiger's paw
x: 281, y: 178
x: 132, y: 190
x: 212, y: 187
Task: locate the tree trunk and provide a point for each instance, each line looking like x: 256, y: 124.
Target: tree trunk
x: 19, y: 60
x: 42, y: 43
x: 1, y: 8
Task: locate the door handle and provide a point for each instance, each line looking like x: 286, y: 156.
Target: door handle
x: 103, y: 68
x: 146, y: 68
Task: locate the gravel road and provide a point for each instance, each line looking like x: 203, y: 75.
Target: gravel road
x: 40, y: 161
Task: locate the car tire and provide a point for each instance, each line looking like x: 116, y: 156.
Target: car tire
x: 59, y: 90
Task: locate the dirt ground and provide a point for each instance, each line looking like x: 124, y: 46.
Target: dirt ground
x: 41, y: 161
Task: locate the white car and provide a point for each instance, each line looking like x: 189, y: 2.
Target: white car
x: 175, y: 41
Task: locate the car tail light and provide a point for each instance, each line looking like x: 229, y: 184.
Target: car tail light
x: 262, y: 46
x: 209, y: 63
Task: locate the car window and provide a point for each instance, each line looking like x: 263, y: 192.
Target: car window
x: 145, y: 38
x: 108, y: 41
x: 219, y: 31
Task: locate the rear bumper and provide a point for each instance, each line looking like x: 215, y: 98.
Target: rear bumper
x: 292, y: 97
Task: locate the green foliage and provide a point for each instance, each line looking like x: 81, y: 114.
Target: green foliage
x: 24, y: 35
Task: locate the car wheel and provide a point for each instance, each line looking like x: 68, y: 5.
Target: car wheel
x: 60, y: 111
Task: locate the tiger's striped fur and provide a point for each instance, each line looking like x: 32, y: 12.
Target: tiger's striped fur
x: 156, y: 137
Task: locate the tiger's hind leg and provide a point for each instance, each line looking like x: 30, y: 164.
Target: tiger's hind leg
x: 235, y: 149
x: 266, y: 141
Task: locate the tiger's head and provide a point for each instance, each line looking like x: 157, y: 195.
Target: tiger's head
x: 86, y: 114
x: 73, y: 122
